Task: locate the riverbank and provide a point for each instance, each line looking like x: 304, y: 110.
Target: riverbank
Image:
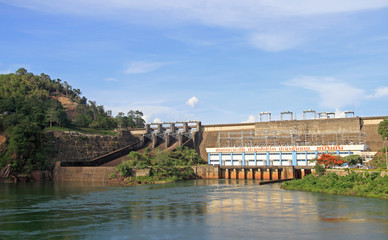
x: 364, y: 184
x: 152, y: 175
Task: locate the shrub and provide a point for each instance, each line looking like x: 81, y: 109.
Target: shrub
x: 165, y: 166
x: 379, y: 160
x: 319, y: 169
x: 125, y: 169
x: 370, y: 185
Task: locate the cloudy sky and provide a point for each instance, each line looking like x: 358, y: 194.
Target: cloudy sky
x: 218, y: 61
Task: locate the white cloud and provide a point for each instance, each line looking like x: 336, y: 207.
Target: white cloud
x: 192, y: 101
x: 138, y: 67
x: 263, y: 19
x: 157, y: 120
x: 380, y: 92
x: 251, y: 119
x: 210, y: 11
x: 166, y: 113
x: 274, y: 42
x: 332, y: 92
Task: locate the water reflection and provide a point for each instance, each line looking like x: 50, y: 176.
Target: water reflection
x: 203, y: 209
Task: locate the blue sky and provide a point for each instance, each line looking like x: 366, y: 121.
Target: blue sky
x: 218, y: 61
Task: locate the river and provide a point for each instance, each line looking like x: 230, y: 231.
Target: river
x: 200, y: 209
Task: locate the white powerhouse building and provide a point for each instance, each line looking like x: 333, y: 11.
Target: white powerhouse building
x: 277, y: 155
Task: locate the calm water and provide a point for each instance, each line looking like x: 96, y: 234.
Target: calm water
x: 203, y: 209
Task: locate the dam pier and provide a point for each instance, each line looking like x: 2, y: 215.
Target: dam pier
x: 252, y: 172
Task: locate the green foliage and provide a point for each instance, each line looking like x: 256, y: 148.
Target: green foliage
x: 172, y: 173
x: 353, y: 159
x: 319, y: 169
x: 27, y: 148
x: 112, y: 175
x: 358, y: 184
x: 94, y: 116
x: 379, y: 160
x: 138, y: 160
x: 164, y: 166
x: 141, y: 180
x: 83, y: 120
x: 133, y: 119
x: 383, y: 129
x: 28, y: 106
x: 23, y: 83
x: 125, y: 169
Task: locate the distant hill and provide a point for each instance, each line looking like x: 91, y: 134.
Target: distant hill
x: 31, y: 103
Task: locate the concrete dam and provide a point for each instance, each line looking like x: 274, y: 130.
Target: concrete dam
x: 261, y: 150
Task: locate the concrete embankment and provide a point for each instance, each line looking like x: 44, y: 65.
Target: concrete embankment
x: 82, y: 174
x: 102, y: 173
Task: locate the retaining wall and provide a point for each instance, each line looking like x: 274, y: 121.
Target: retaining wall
x: 74, y: 146
x: 82, y: 174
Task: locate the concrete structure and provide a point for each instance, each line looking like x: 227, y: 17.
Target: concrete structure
x: 170, y: 132
x: 349, y: 114
x: 262, y: 150
x: 326, y: 115
x: 262, y: 114
x: 310, y: 111
x: 277, y: 156
x: 88, y: 174
x: 251, y: 172
x: 282, y: 114
x: 345, y: 132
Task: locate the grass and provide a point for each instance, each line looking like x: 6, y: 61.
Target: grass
x: 371, y: 185
x: 85, y: 130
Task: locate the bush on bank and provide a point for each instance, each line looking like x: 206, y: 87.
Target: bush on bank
x: 167, y: 166
x: 356, y: 184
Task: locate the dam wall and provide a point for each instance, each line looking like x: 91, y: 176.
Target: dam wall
x: 77, y: 147
x: 293, y: 133
x: 373, y: 138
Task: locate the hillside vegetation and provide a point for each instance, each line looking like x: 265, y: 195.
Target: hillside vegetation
x: 30, y: 103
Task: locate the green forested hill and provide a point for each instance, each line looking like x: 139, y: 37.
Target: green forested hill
x: 29, y: 104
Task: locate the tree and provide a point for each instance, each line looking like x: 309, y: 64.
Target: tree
x: 83, y: 100
x: 83, y: 120
x: 21, y: 71
x: 330, y: 160
x: 27, y: 107
x: 122, y: 120
x: 135, y: 119
x: 353, y: 159
x: 51, y: 116
x: 383, y: 129
x: 26, y: 147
